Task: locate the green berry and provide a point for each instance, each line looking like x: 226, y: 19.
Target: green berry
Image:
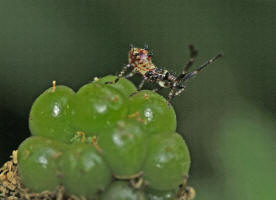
x: 161, y: 195
x: 123, y: 147
x: 154, y: 110
x: 125, y: 86
x: 97, y: 106
x: 167, y: 162
x: 120, y: 190
x: 38, y: 159
x: 84, y: 171
x: 50, y: 114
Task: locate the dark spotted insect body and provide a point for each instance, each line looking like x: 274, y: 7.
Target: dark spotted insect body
x: 160, y: 76
x: 140, y: 62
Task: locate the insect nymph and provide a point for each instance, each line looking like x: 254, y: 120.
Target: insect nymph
x: 140, y: 62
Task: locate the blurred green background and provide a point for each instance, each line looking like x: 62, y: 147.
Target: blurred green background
x: 227, y: 114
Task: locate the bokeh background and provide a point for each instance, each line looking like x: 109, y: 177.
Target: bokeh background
x: 227, y: 114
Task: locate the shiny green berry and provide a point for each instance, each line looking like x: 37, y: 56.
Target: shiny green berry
x: 121, y: 190
x: 123, y: 147
x: 38, y: 159
x: 125, y: 86
x: 157, y: 115
x: 97, y: 106
x: 161, y: 195
x: 167, y: 161
x: 84, y: 171
x: 50, y: 114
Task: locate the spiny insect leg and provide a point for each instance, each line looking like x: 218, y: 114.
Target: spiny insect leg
x: 195, y: 72
x: 175, y: 91
x: 157, y: 88
x: 125, y: 68
x: 193, y: 54
x: 129, y: 75
x: 140, y: 86
x: 171, y: 94
x: 179, y: 91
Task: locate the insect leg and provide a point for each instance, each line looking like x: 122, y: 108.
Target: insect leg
x: 181, y: 89
x: 171, y: 94
x: 140, y: 86
x: 157, y: 88
x: 175, y: 91
x: 125, y: 68
x: 195, y: 72
x: 129, y: 75
x: 193, y: 54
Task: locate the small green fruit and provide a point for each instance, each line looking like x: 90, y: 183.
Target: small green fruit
x: 153, y: 109
x: 120, y: 190
x: 38, y: 159
x: 167, y: 162
x: 50, y: 114
x: 123, y: 147
x: 161, y: 195
x: 84, y: 171
x: 97, y: 106
x: 125, y: 86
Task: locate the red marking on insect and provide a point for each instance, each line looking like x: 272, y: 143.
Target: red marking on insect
x: 140, y: 59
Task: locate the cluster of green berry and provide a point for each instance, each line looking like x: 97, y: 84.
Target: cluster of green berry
x: 96, y: 140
